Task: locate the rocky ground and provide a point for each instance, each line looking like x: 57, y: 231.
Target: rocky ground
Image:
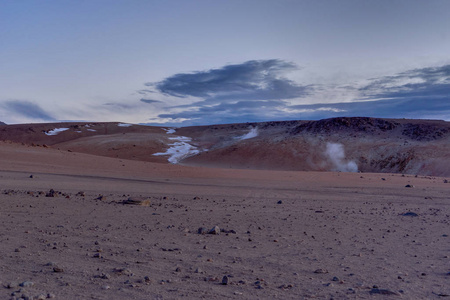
x: 79, y: 226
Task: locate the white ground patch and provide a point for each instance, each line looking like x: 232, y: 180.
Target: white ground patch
x: 169, y: 130
x: 180, y: 149
x: 251, y: 134
x: 56, y: 131
x: 124, y: 125
x: 91, y: 130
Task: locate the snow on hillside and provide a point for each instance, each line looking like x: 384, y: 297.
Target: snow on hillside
x: 56, y: 131
x: 180, y: 149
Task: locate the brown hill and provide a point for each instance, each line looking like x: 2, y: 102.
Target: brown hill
x: 374, y: 145
x: 338, y: 144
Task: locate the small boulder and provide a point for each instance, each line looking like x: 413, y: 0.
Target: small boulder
x: 214, y: 230
x: 137, y: 201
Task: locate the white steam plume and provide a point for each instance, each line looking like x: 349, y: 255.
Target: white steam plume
x: 251, y: 134
x: 336, y: 155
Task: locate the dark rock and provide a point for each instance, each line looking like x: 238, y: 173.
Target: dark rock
x: 27, y: 284
x: 202, y: 230
x: 409, y: 186
x: 51, y: 193
x: 225, y: 280
x: 214, y: 230
x: 280, y: 202
x: 383, y: 292
x: 137, y: 201
x: 410, y: 214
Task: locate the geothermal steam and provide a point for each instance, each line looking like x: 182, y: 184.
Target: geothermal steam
x: 335, y: 153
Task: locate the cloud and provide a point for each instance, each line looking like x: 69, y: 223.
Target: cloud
x: 242, y: 111
x: 253, y: 90
x: 415, y: 108
x: 252, y: 80
x: 150, y: 101
x: 26, y: 109
x: 257, y: 91
x: 145, y: 91
x: 430, y: 83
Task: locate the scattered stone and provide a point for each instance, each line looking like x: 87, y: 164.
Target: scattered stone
x: 81, y: 194
x: 441, y: 294
x: 105, y: 276
x: 202, y: 230
x: 280, y: 202
x: 40, y: 297
x: 122, y: 271
x: 27, y: 284
x: 409, y: 186
x: 225, y: 280
x: 142, y: 201
x: 51, y: 193
x: 214, y: 230
x: 446, y: 181
x: 410, y: 214
x: 58, y: 269
x: 51, y: 296
x: 382, y: 292
x: 285, y: 286
x: 100, y: 197
x: 321, y: 271
x: 178, y: 269
x: 335, y: 278
x: 31, y: 176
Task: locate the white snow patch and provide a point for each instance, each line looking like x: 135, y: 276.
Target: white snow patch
x: 179, y: 150
x: 91, y: 130
x: 124, y: 125
x: 251, y: 134
x: 56, y: 131
x: 169, y: 130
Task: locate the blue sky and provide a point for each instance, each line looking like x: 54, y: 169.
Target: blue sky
x: 203, y: 62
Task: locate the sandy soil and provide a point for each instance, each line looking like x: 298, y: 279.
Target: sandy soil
x: 284, y: 235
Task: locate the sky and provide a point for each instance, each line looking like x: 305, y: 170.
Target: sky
x: 195, y: 62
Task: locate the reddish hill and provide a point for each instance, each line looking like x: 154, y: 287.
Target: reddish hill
x: 338, y: 144
x: 374, y: 145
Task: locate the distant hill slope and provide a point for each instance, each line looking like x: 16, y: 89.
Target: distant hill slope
x: 337, y: 144
x: 373, y: 145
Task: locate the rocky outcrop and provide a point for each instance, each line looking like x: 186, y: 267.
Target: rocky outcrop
x: 369, y: 125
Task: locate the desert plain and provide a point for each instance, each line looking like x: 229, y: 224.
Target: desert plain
x: 98, y: 216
